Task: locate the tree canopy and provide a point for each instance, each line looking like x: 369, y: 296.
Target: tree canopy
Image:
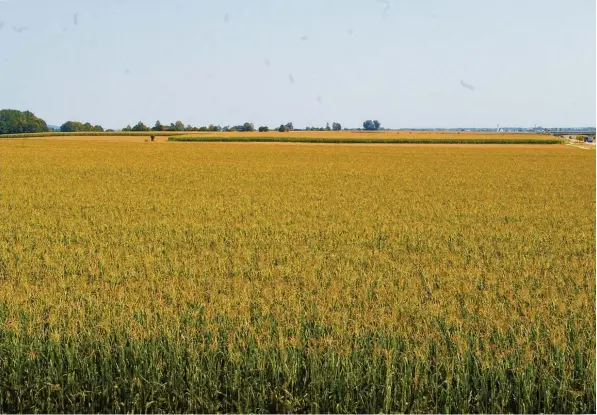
x: 371, y: 125
x: 248, y: 126
x: 76, y: 126
x: 139, y: 127
x: 159, y: 127
x: 17, y: 122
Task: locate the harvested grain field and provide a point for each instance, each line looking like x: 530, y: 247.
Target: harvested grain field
x: 362, y: 137
x: 214, y: 277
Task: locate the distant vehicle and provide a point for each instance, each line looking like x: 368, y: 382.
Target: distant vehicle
x: 589, y: 139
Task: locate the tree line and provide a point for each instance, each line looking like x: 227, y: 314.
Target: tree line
x: 246, y: 127
x: 17, y: 122
x: 76, y: 126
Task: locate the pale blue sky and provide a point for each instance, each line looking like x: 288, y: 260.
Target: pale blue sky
x: 530, y: 61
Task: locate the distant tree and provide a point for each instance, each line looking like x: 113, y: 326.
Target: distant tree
x: 368, y: 125
x: 283, y: 128
x: 109, y: 130
x: 290, y: 126
x: 71, y: 127
x: 336, y: 126
x: 263, y: 129
x: 76, y: 126
x: 179, y: 126
x: 127, y: 128
x: 140, y: 127
x: 158, y: 126
x: 248, y: 126
x: 376, y: 124
x: 226, y: 128
x: 189, y: 128
x: 17, y: 122
x: 203, y: 128
x: 212, y: 127
x: 327, y: 127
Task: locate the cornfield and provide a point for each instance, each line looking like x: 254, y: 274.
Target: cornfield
x: 209, y: 277
x: 337, y: 137
x: 333, y: 139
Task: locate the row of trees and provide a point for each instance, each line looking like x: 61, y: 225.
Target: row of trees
x: 76, y: 126
x: 18, y: 122
x: 335, y: 127
x: 179, y: 126
x: 246, y: 127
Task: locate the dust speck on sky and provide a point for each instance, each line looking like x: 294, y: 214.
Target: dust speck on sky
x: 467, y: 86
x: 20, y: 29
x: 385, y: 10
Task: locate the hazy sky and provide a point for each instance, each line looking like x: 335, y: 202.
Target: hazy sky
x: 407, y: 63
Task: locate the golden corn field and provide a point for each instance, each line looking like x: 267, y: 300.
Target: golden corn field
x: 337, y: 137
x: 239, y: 277
x: 372, y: 136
